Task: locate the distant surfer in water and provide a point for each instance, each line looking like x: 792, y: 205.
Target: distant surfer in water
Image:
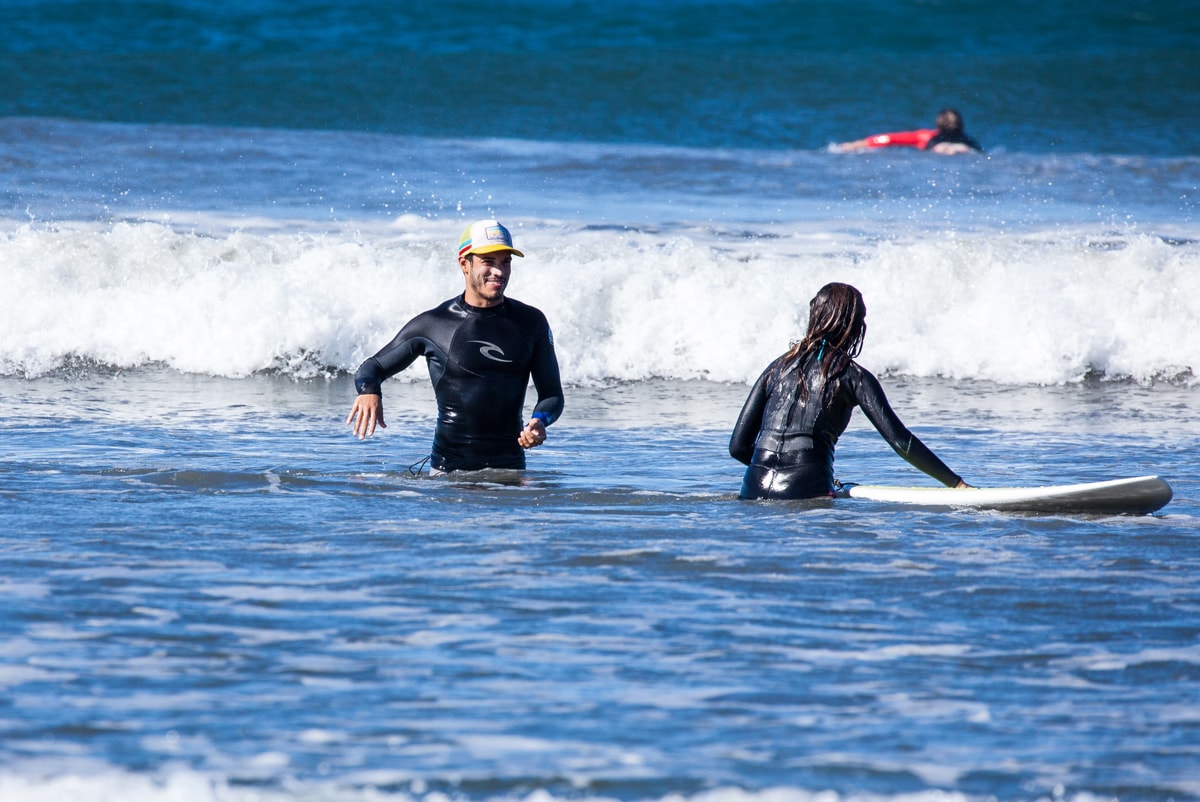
x: 481, y: 349
x: 948, y: 138
x: 802, y: 403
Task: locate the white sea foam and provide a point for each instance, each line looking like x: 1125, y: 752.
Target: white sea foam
x: 182, y: 785
x: 625, y: 305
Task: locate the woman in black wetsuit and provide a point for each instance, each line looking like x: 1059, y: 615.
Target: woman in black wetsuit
x: 802, y: 403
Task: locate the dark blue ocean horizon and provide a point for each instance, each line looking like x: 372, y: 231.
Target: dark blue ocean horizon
x: 1084, y: 77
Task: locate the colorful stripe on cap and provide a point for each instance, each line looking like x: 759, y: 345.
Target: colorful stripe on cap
x: 486, y: 236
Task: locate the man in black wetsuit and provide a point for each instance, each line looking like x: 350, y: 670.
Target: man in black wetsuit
x: 481, y: 349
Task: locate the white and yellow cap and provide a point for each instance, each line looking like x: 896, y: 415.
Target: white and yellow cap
x: 486, y: 236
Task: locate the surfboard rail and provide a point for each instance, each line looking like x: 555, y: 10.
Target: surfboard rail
x: 1137, y: 495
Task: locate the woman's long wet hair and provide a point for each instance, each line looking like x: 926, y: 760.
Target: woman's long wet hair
x: 837, y: 326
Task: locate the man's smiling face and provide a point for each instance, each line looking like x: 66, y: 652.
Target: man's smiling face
x: 486, y: 276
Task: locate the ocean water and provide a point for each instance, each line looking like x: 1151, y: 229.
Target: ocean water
x: 210, y: 213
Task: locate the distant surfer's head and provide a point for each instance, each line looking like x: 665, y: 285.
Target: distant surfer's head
x: 837, y: 316
x: 486, y: 236
x: 949, y: 121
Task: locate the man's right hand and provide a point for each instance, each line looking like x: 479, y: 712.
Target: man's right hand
x: 366, y: 412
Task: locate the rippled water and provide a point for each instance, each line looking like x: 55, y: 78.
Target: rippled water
x: 209, y: 585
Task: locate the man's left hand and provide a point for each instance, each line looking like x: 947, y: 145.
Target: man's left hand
x: 533, y: 435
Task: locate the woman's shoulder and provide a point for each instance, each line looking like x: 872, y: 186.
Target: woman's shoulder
x: 860, y: 377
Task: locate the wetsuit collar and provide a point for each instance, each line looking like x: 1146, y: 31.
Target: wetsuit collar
x: 480, y: 310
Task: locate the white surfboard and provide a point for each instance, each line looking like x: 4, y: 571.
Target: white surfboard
x: 1138, y: 495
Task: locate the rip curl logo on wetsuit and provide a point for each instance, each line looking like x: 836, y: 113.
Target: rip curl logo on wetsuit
x: 491, y: 350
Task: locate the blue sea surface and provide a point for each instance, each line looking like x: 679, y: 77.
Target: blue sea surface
x: 212, y: 212
x: 1028, y: 76
x: 210, y: 593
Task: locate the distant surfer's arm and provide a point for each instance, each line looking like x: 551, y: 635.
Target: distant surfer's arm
x: 908, y: 139
x: 548, y: 383
x: 745, y: 431
x: 874, y: 404
x: 851, y: 147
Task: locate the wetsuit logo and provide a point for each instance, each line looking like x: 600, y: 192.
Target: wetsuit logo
x: 491, y: 350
